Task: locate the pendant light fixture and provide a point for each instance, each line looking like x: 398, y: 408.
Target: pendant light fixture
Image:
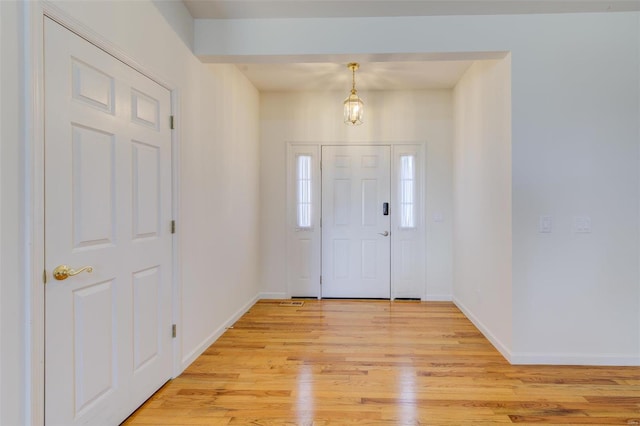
x: 353, y: 105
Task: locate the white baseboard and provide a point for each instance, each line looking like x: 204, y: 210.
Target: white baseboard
x: 532, y: 358
x: 501, y: 347
x: 614, y: 360
x: 191, y: 356
x: 437, y: 298
x: 273, y: 295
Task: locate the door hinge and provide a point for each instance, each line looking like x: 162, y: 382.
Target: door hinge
x: 172, y: 122
x: 174, y: 331
x: 173, y: 226
x: 320, y: 222
x: 44, y: 276
x: 320, y: 279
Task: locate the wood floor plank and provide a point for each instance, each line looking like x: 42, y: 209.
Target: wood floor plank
x: 353, y: 362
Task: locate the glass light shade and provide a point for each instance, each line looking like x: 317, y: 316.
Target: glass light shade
x: 353, y: 109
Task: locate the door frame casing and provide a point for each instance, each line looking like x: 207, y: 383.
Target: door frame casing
x: 292, y: 147
x: 34, y: 182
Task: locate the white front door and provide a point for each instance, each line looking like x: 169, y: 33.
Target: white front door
x: 355, y: 223
x: 107, y: 207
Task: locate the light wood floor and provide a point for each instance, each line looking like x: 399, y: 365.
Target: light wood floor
x: 342, y: 362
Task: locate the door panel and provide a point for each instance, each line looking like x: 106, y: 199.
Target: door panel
x: 94, y: 346
x: 92, y: 86
x: 146, y: 190
x: 146, y: 309
x: 108, y: 206
x: 93, y: 182
x: 355, y: 253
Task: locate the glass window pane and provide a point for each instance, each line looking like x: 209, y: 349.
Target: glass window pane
x: 407, y: 191
x: 303, y: 191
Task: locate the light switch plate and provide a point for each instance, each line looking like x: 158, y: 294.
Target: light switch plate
x: 545, y: 224
x: 582, y: 224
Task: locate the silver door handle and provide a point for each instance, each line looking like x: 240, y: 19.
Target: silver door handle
x: 384, y: 234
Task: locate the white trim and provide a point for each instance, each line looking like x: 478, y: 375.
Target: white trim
x: 176, y: 299
x: 2, y: 399
x: 292, y: 231
x: 530, y: 358
x: 438, y: 298
x: 612, y: 360
x: 638, y: 180
x: 299, y: 199
x: 422, y: 144
x: 393, y: 238
x: 359, y: 143
x: 418, y: 233
x: 501, y: 347
x: 34, y: 14
x: 55, y: 13
x: 34, y: 209
x: 273, y: 295
x: 194, y: 354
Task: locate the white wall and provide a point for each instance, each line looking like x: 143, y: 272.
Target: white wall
x: 218, y: 204
x: 220, y: 207
x: 482, y: 199
x: 574, y: 153
x: 389, y: 116
x: 2, y: 107
x: 12, y: 246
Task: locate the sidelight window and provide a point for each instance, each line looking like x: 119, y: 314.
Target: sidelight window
x: 303, y: 191
x: 407, y: 191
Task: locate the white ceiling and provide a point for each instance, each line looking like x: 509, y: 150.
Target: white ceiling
x: 392, y: 74
x: 370, y: 76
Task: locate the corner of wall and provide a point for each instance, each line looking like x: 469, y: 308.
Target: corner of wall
x: 483, y: 199
x: 638, y: 124
x: 438, y: 298
x: 500, y: 346
x: 179, y: 19
x: 216, y: 334
x: 273, y: 295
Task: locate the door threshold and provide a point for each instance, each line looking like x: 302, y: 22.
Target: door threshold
x: 357, y: 298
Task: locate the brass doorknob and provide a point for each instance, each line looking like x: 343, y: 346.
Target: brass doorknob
x: 62, y: 272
